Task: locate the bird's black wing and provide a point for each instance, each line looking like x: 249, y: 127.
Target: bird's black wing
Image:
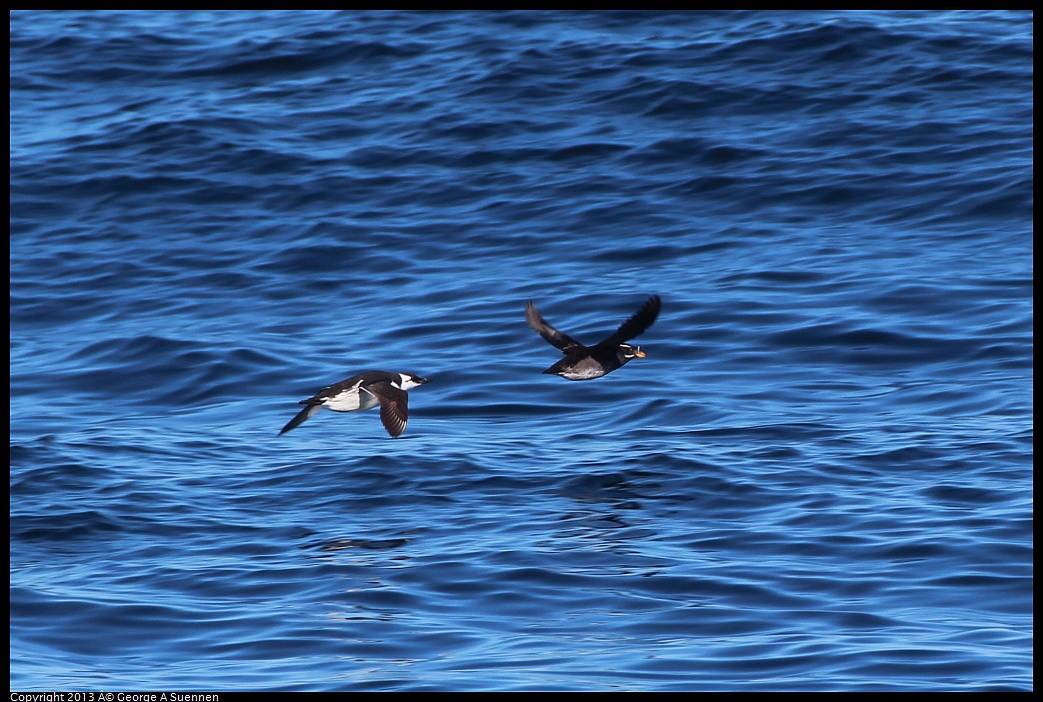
x: 554, y: 337
x: 394, y: 406
x: 638, y: 322
x: 302, y: 416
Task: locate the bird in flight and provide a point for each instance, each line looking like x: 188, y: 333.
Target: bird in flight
x: 588, y: 362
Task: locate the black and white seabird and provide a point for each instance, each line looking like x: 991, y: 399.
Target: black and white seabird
x: 587, y: 362
x: 362, y: 392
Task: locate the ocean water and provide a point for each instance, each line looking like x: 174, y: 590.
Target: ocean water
x: 819, y: 478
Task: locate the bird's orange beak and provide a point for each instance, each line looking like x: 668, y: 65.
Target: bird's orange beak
x: 639, y: 353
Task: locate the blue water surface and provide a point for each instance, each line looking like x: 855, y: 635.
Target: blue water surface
x: 819, y: 478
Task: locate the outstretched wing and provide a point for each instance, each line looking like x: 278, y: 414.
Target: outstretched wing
x: 302, y: 416
x: 554, y: 337
x: 394, y: 407
x: 638, y: 322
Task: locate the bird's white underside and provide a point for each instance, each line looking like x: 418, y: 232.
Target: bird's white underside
x: 352, y: 400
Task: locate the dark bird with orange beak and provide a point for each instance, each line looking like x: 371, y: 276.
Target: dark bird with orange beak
x: 588, y: 362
